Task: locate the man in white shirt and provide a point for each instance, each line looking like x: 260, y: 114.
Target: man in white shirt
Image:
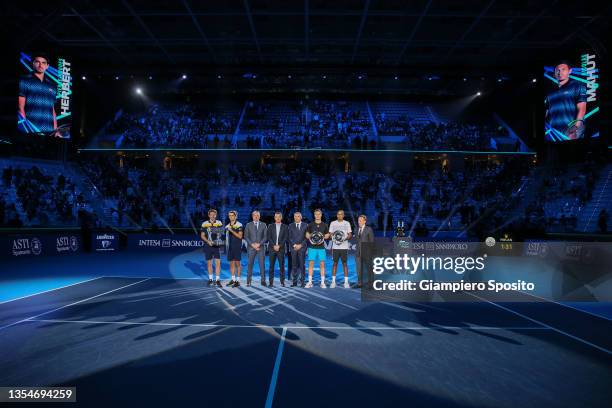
x: 340, y: 247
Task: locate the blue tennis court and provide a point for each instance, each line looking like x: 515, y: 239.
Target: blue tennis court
x: 168, y: 340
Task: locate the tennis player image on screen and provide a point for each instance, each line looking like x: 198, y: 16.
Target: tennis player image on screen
x: 572, y: 99
x: 44, y: 96
x: 566, y: 106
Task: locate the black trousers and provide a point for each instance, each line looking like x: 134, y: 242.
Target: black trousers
x: 364, y: 264
x: 280, y: 255
x: 298, y: 268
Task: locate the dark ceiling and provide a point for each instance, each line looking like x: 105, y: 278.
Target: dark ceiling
x: 372, y: 33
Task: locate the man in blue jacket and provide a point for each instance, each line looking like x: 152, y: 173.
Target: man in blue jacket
x: 297, y: 249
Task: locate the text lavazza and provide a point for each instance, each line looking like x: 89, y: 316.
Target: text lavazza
x: 490, y: 285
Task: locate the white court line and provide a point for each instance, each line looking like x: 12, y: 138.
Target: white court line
x: 274, y: 379
x: 544, y: 324
x: 71, y: 304
x: 357, y: 292
x: 155, y: 277
x: 49, y: 290
x: 264, y: 326
x: 569, y: 306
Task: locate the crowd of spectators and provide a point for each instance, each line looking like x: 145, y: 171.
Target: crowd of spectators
x: 177, y: 126
x: 561, y: 197
x: 154, y: 197
x: 337, y: 124
x: 449, y: 136
x: 9, y: 216
x: 455, y: 200
x: 306, y: 124
x: 436, y: 136
x: 424, y: 198
x: 41, y: 199
x: 483, y: 195
x: 288, y: 124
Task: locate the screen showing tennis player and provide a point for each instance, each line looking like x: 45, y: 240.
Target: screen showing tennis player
x: 571, y: 101
x: 44, y: 102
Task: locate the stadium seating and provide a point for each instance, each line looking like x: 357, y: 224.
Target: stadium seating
x: 40, y: 193
x: 296, y: 124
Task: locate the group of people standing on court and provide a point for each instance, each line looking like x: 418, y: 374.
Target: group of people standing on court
x: 299, y: 240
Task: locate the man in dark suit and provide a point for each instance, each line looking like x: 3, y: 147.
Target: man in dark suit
x: 365, y: 234
x: 255, y: 236
x: 277, y: 236
x: 297, y: 249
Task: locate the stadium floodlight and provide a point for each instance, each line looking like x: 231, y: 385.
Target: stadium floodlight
x: 395, y: 77
x: 464, y: 79
x: 534, y: 80
x: 139, y: 91
x: 116, y: 77
x: 150, y: 77
x: 83, y: 77
x: 184, y: 76
x: 478, y: 93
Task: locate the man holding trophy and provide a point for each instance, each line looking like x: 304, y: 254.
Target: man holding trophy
x: 341, y: 233
x: 212, y: 233
x: 316, y: 234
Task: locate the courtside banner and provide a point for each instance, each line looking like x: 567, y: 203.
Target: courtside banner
x: 438, y: 238
x: 164, y: 242
x: 495, y: 270
x: 183, y: 242
x: 105, y: 242
x: 35, y: 245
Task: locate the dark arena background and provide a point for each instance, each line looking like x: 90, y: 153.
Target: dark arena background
x: 466, y: 143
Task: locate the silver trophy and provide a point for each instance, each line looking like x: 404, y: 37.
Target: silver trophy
x: 399, y: 230
x: 316, y: 238
x: 338, y: 237
x: 216, y: 235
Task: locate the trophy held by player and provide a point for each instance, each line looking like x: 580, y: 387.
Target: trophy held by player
x: 399, y: 230
x: 216, y: 234
x: 317, y: 238
x: 338, y: 237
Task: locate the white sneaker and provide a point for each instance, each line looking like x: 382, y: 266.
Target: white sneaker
x: 308, y: 285
x: 347, y: 285
x: 323, y: 285
x: 333, y: 284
